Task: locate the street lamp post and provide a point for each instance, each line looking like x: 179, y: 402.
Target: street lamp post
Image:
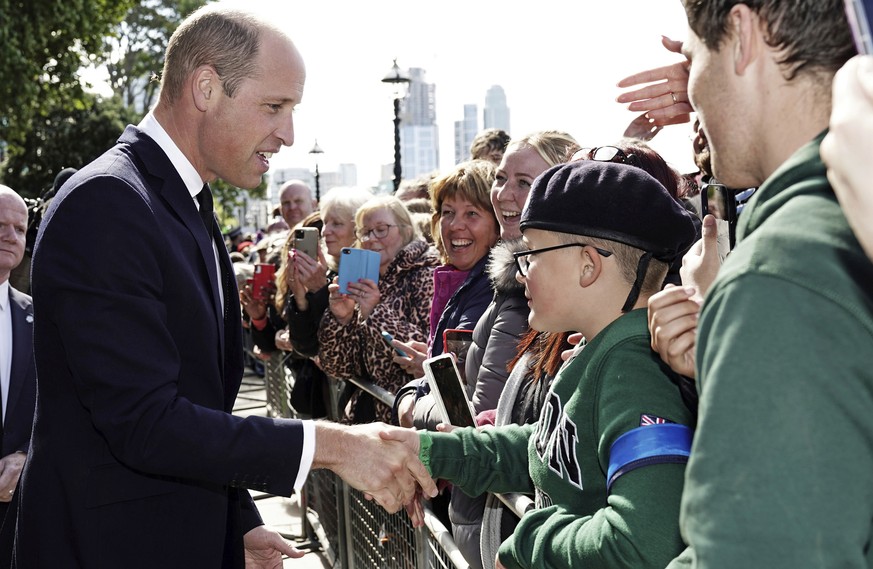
x: 400, y: 80
x: 316, y: 150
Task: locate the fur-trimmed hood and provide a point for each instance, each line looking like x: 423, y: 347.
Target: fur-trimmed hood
x: 502, y: 268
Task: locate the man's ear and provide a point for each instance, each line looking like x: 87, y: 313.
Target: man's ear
x: 747, y: 35
x: 591, y: 266
x: 204, y: 85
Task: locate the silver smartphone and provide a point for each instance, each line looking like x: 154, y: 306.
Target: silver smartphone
x: 306, y: 240
x: 449, y: 392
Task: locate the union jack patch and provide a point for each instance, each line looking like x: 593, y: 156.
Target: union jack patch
x: 646, y: 420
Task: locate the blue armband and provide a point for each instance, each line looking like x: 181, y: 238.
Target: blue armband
x: 653, y: 444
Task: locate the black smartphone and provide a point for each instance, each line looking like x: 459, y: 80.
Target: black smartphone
x: 355, y: 264
x: 858, y: 13
x: 725, y: 204
x: 717, y: 200
x: 448, y: 391
x: 306, y: 240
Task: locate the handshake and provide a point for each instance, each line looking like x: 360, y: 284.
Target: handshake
x: 379, y: 460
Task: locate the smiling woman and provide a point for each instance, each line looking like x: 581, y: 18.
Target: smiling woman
x: 465, y: 229
x: 350, y: 333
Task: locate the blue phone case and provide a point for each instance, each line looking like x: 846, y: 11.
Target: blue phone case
x: 389, y: 338
x: 357, y: 264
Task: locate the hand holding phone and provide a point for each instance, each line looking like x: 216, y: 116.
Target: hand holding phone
x: 263, y: 281
x: 389, y: 338
x: 449, y: 392
x: 306, y: 240
x: 357, y: 264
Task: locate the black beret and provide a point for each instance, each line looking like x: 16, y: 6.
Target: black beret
x: 610, y: 201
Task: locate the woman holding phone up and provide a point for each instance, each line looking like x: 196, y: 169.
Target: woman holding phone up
x: 290, y: 322
x: 350, y: 334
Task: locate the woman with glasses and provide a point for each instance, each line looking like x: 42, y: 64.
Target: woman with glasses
x: 350, y: 334
x: 291, y: 321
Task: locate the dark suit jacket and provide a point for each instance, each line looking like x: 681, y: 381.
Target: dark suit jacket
x: 19, y: 406
x: 136, y: 460
x: 22, y: 380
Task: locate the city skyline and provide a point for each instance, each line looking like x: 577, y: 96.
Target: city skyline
x: 558, y: 65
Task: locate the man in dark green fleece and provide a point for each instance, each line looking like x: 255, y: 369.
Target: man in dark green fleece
x: 607, y: 457
x: 781, y: 470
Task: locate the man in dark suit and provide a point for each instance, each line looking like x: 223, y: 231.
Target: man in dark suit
x: 17, y: 369
x: 136, y: 459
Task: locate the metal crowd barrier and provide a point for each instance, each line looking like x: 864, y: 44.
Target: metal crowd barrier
x: 353, y: 532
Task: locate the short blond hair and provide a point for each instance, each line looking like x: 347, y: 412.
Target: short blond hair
x: 226, y: 38
x: 627, y: 258
x: 408, y: 229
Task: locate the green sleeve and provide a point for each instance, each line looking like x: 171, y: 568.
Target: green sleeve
x: 780, y: 470
x: 489, y: 459
x: 638, y: 528
x: 639, y: 525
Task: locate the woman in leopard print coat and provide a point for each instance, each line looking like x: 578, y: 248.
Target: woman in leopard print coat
x: 351, y: 344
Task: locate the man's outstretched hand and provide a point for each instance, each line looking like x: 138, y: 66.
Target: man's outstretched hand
x: 377, y: 459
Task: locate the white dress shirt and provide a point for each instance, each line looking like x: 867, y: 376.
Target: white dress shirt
x: 5, y: 345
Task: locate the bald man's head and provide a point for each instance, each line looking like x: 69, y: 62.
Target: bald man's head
x: 295, y: 202
x: 13, y: 231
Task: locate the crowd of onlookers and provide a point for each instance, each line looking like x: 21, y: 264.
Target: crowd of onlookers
x: 447, y: 266
x: 535, y: 358
x: 677, y: 367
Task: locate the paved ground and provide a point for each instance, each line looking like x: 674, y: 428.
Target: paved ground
x: 281, y: 513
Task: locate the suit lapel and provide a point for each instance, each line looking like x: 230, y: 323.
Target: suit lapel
x: 22, y: 351
x: 179, y: 200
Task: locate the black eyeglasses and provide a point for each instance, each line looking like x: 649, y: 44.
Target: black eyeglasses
x: 523, y: 263
x: 606, y: 154
x: 380, y: 232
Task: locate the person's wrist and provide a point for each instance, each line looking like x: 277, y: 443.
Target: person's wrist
x: 425, y: 442
x: 260, y: 323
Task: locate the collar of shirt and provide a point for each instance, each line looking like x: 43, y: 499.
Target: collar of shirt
x: 186, y: 170
x: 4, y: 296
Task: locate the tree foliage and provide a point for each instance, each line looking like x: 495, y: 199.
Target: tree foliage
x: 47, y: 119
x: 45, y: 43
x: 61, y: 137
x: 228, y: 198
